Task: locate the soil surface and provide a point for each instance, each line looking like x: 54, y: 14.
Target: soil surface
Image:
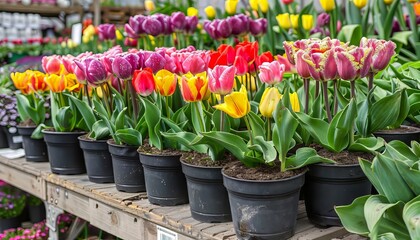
x: 401, y: 129
x: 201, y: 159
x: 236, y: 169
x: 27, y: 123
x: 147, y: 149
x: 343, y: 158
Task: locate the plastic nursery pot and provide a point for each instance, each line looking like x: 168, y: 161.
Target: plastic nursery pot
x: 208, y: 196
x: 35, y: 149
x: 165, y: 182
x: 128, y: 171
x: 330, y: 185
x: 14, y: 140
x: 3, y: 139
x: 7, y: 223
x: 405, y: 134
x: 97, y: 159
x: 37, y: 213
x: 64, y: 152
x: 264, y: 209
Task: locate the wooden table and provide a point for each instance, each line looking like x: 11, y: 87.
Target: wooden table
x: 129, y: 215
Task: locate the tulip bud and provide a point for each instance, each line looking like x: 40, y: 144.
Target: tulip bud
x: 388, y: 2
x: 294, y: 102
x: 241, y: 65
x: 155, y: 62
x: 323, y: 20
x: 253, y: 4
x: 192, y: 11
x: 239, y: 24
x: 106, y: 31
x: 153, y: 26
x: 149, y: 5
x: 210, y: 12
x: 191, y: 24
x: 307, y: 21
x: 194, y: 88
x: 121, y: 68
x: 165, y: 82
x: 51, y: 64
x: 269, y: 100
x: 258, y: 27
x: 221, y: 79
x: 223, y: 29
x: 178, y: 21
x: 329, y: 5
x: 236, y: 104
x: 94, y: 70
x: 143, y: 82
x: 263, y: 5
x: 271, y: 73
x: 130, y: 42
x: 287, y: 2
x: 230, y: 6
x: 284, y: 21
x: 360, y: 3
x: 294, y: 19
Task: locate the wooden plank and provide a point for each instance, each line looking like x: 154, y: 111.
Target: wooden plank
x: 320, y: 234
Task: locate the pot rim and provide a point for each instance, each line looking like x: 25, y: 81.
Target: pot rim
x: 337, y: 166
x: 386, y: 131
x: 199, y: 166
x: 62, y: 133
x: 90, y: 140
x: 118, y: 145
x: 265, y: 181
x: 27, y: 127
x: 157, y: 155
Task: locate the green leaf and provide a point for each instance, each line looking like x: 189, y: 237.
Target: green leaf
x: 100, y: 130
x: 380, y: 119
x: 370, y: 174
x: 129, y: 136
x: 402, y: 37
x: 389, y: 19
x: 23, y: 106
x: 120, y: 120
x: 303, y: 157
x: 316, y: 127
x: 400, y: 151
x: 352, y: 216
x: 362, y: 121
x: 411, y: 176
x: 153, y: 119
x: 411, y: 216
x: 266, y: 148
x: 375, y: 207
x: 216, y: 121
x: 99, y: 108
x: 65, y: 119
x: 257, y: 124
x: 85, y: 110
x: 370, y: 144
x: 351, y: 33
x: 284, y: 129
x: 186, y: 138
x: 340, y: 127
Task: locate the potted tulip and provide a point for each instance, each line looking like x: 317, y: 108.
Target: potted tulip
x: 9, y: 119
x: 12, y: 203
x: 32, y: 108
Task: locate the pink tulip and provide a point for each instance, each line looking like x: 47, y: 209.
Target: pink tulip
x: 288, y: 67
x: 302, y: 67
x: 321, y: 65
x: 221, y: 79
x: 155, y: 61
x: 68, y: 62
x: 353, y: 63
x: 94, y: 70
x: 122, y: 68
x: 194, y: 62
x: 51, y: 64
x: 382, y: 53
x: 271, y: 72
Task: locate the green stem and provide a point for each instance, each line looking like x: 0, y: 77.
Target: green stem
x: 268, y: 129
x: 111, y: 100
x: 222, y: 114
x: 248, y: 126
x: 104, y: 100
x: 87, y: 94
x: 127, y: 99
x: 335, y: 97
x: 201, y: 121
x: 370, y: 84
x: 168, y: 114
x: 62, y: 102
x: 353, y: 89
x: 326, y: 102
x: 133, y: 100
x: 306, y: 88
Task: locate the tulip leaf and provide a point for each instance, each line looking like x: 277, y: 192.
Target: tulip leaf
x: 399, y: 150
x: 100, y: 130
x: 153, y: 120
x: 85, y: 110
x: 257, y: 124
x: 54, y: 110
x: 352, y: 216
x: 389, y: 20
x: 65, y: 119
x: 217, y: 115
x: 303, y: 157
x: 24, y: 107
x: 380, y: 119
x: 411, y: 176
x: 316, y: 127
x: 387, y: 236
x: 172, y: 125
x: 414, y: 101
x: 370, y: 174
x: 197, y: 117
x: 340, y: 127
x: 411, y: 216
x: 362, y: 120
x: 100, y: 109
x: 284, y: 129
x: 120, y: 120
x: 265, y: 147
x: 351, y: 33
x: 402, y: 37
x: 186, y: 138
x: 370, y: 144
x: 129, y: 136
x: 415, y: 146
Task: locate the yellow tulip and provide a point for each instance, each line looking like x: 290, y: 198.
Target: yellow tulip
x: 253, y: 4
x: 149, y: 5
x: 412, y: 1
x: 59, y: 83
x: 236, y: 104
x: 294, y: 101
x: 194, y: 88
x: 210, y: 12
x: 249, y: 86
x: 192, y: 11
x: 85, y: 39
x: 119, y: 35
x: 165, y: 82
x: 328, y: 5
x: 21, y: 81
x: 89, y: 31
x: 284, y: 21
x: 307, y: 21
x: 230, y: 6
x: 269, y: 101
x: 71, y: 43
x: 294, y: 19
x: 388, y: 2
x: 264, y: 6
x: 360, y: 3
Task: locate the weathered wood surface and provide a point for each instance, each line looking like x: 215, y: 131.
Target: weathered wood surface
x: 130, y: 215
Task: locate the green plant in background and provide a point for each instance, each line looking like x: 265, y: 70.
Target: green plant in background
x: 12, y: 202
x: 33, y: 201
x: 394, y: 212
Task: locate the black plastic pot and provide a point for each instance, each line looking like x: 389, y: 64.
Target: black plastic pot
x: 406, y: 137
x: 264, y: 210
x: 8, y: 223
x: 97, y: 159
x: 64, y: 152
x: 165, y: 182
x: 35, y: 149
x: 330, y: 185
x: 14, y: 140
x: 37, y: 213
x: 128, y: 172
x: 3, y: 140
x: 208, y: 197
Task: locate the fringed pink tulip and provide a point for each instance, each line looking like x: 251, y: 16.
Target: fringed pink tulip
x: 221, y: 79
x: 382, y: 52
x: 271, y: 73
x: 321, y: 65
x: 353, y: 63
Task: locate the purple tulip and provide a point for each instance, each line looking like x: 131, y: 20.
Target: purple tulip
x: 106, y: 31
x: 323, y: 20
x: 191, y: 24
x: 94, y: 70
x: 155, y: 61
x: 178, y: 21
x: 223, y: 29
x: 239, y: 24
x: 165, y: 21
x: 258, y: 27
x: 136, y: 24
x: 122, y: 68
x: 153, y: 26
x: 130, y: 32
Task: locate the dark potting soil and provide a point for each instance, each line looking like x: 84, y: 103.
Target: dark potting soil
x: 147, y: 149
x: 201, y: 159
x: 401, y: 129
x: 236, y: 169
x: 343, y: 158
x: 27, y: 123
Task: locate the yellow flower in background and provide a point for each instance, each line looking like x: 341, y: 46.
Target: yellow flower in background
x: 283, y: 20
x: 251, y: 85
x: 264, y: 6
x: 59, y: 83
x: 119, y: 35
x: 328, y: 5
x: 210, y: 12
x: 307, y: 21
x: 236, y: 104
x: 165, y: 82
x: 230, y: 6
x: 253, y: 4
x: 149, y: 5
x: 294, y: 101
x: 71, y: 43
x: 412, y: 1
x: 360, y: 3
x: 269, y: 101
x: 294, y: 19
x: 192, y: 11
x: 388, y: 2
x: 89, y: 31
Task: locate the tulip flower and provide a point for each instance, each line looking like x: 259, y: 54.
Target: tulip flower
x: 283, y: 20
x: 20, y: 80
x: 149, y: 5
x: 416, y: 7
x: 194, y: 88
x: 165, y: 82
x: 321, y: 65
x: 143, y: 82
x: 388, y: 2
x: 249, y: 51
x: 36, y: 81
x: 294, y: 19
x: 106, y: 31
x: 155, y: 62
x: 307, y: 21
x: 294, y: 102
x: 122, y: 68
x: 271, y: 73
x: 221, y: 79
x: 382, y: 53
x: 191, y: 24
x: 288, y: 67
x: 52, y: 64
x: 230, y: 6
x: 258, y: 27
x: 323, y: 20
x: 353, y: 63
x: 360, y: 3
x: 287, y: 2
x: 94, y: 70
x: 153, y: 26
x: 241, y: 66
x: 302, y: 67
x: 196, y: 62
x: 210, y: 12
x: 178, y: 21
x: 249, y: 81
x: 269, y: 100
x: 327, y: 5
x: 59, y: 83
x: 236, y: 104
x: 130, y: 42
x: 192, y: 11
x: 263, y: 5
x: 264, y: 57
x: 225, y: 55
x: 239, y: 24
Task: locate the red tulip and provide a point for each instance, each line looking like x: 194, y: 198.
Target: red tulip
x: 271, y: 73
x: 287, y: 2
x: 241, y: 66
x: 225, y: 55
x: 221, y: 79
x: 144, y: 82
x: 249, y: 51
